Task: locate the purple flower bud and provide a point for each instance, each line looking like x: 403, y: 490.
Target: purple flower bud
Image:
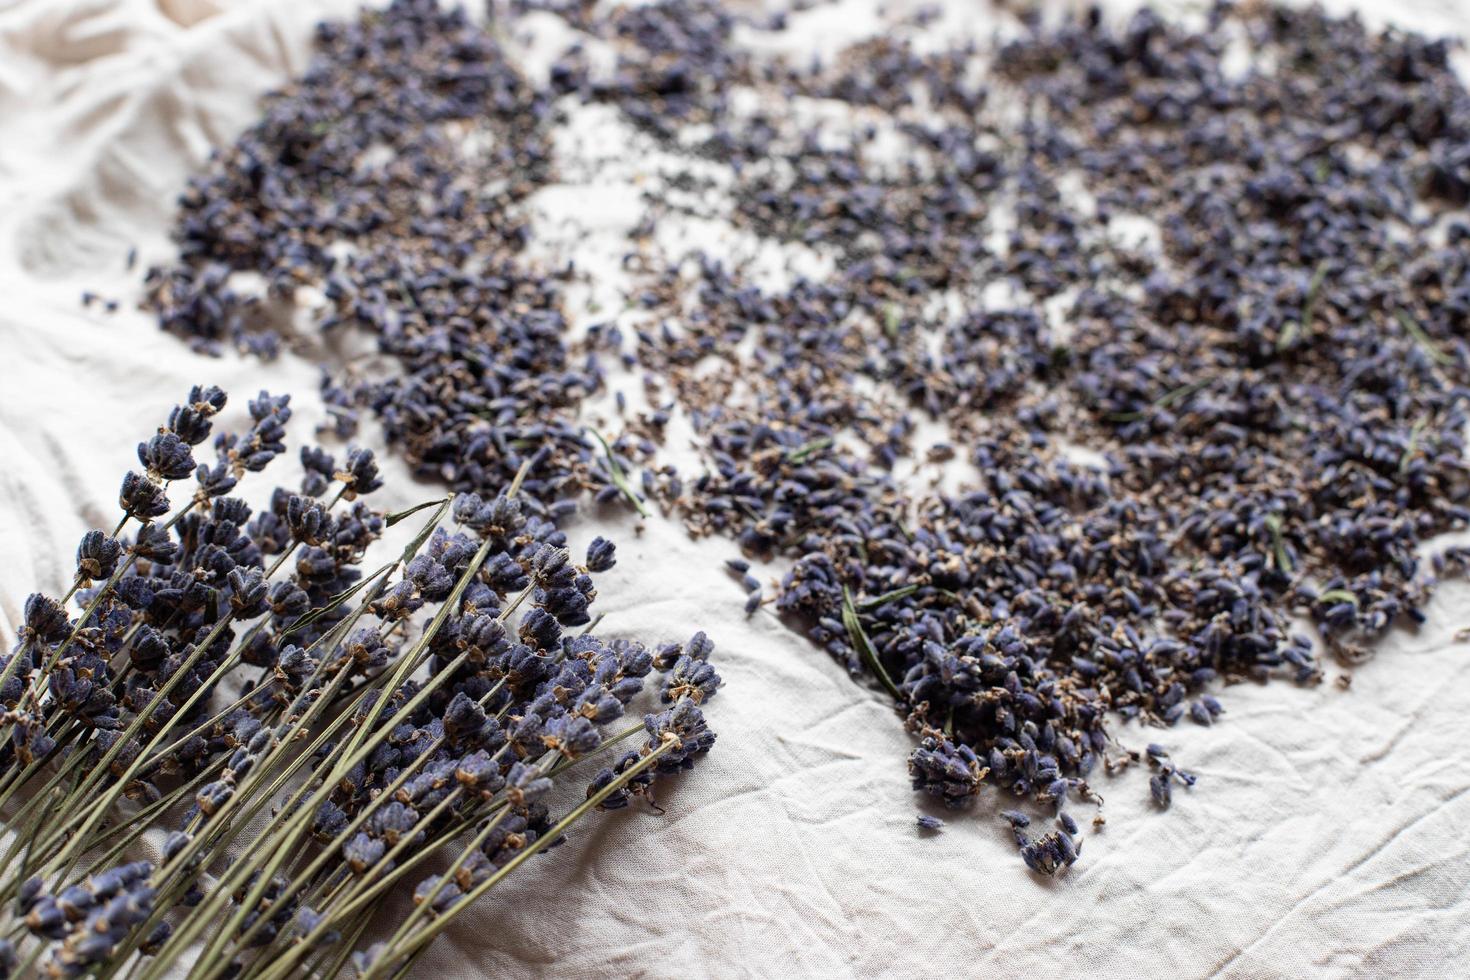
x: 683, y: 723
x: 97, y: 556
x: 572, y: 735
x: 248, y: 592
x: 524, y: 785
x: 360, y: 474
x: 600, y: 555
x: 141, y: 498
x: 362, y: 852
x: 45, y: 619
x: 166, y: 457
x: 308, y: 520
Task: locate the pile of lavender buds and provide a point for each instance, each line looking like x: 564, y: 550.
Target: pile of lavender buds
x: 1175, y: 317
x: 311, y: 736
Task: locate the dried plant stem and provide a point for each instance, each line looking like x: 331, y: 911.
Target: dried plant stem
x: 179, y: 872
x: 325, y: 856
x: 418, y: 939
x: 286, y: 839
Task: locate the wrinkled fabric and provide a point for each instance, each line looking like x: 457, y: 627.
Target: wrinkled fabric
x: 1327, y: 834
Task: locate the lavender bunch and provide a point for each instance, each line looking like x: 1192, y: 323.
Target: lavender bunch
x: 239, y: 680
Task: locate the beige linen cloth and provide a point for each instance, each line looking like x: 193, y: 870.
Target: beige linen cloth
x: 1329, y: 834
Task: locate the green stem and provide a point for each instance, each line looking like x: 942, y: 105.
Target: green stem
x: 860, y: 642
x: 1421, y: 338
x: 619, y: 478
x: 172, y: 875
x: 427, y: 934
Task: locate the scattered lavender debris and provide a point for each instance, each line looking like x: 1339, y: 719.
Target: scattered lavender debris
x: 1180, y: 334
x: 359, y: 181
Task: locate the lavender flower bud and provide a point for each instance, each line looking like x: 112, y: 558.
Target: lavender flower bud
x: 524, y: 785
x: 154, y: 544
x: 329, y: 822
x: 600, y: 555
x: 97, y: 555
x: 691, y: 678
x: 212, y: 796
x: 239, y: 765
x: 567, y: 606
x: 307, y: 919
x: 666, y: 655
x: 360, y: 474
x: 39, y: 746
x: 29, y: 893
x: 479, y: 771
x: 539, y: 629
x: 599, y: 705
x: 552, y: 567
x: 364, y: 959
x: 155, y: 939
x: 466, y: 508
x: 699, y: 647
x: 47, y: 919
x: 108, y: 883
x: 1161, y: 789
x: 393, y: 822
x: 45, y: 619
x: 444, y: 898
x: 150, y: 647
x: 505, y: 573
x: 571, y: 735
x: 295, y: 666
x: 174, y: 844
x: 626, y: 689
x: 316, y: 568
x: 464, y: 715
x: 484, y: 635
x: 616, y: 800
x: 288, y: 601
x: 944, y: 769
x: 142, y: 499
x: 166, y: 457
x: 367, y: 650
x: 480, y: 598
x: 248, y: 592
x: 500, y: 518
x: 308, y: 520
x: 361, y: 852
x: 685, y: 723
x: 427, y: 789
x: 318, y: 467
x: 215, y: 481
x: 432, y: 579
x: 190, y: 421
x: 75, y: 901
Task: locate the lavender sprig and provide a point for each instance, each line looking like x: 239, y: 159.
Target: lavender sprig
x: 335, y: 737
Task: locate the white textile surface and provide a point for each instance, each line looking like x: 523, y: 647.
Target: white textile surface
x: 1329, y: 834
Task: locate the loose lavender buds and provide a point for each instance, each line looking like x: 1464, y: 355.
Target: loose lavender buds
x: 1192, y: 336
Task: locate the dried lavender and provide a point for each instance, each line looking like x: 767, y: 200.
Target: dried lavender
x: 484, y: 380
x: 381, y: 718
x: 1166, y: 449
x: 1012, y: 618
